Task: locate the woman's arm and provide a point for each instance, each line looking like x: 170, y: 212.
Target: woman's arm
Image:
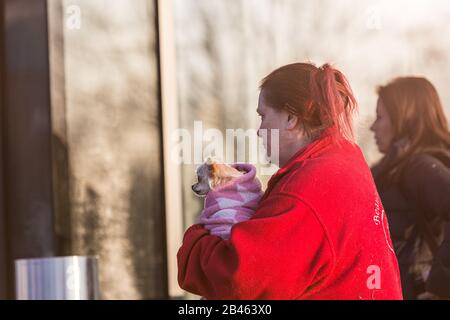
x: 278, y: 254
x: 438, y: 281
x: 426, y: 182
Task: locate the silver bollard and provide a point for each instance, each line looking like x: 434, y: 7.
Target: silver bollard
x: 57, y: 278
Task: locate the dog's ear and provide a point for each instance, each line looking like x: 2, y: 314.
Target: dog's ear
x: 215, y: 173
x: 210, y: 165
x: 210, y: 160
x: 213, y: 169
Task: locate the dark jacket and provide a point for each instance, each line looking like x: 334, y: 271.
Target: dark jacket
x: 417, y: 205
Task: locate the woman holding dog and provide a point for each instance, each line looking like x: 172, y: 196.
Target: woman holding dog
x: 319, y: 231
x: 413, y: 179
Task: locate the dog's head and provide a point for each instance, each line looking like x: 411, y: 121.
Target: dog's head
x: 212, y: 174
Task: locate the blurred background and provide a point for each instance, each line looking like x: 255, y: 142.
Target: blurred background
x: 91, y: 91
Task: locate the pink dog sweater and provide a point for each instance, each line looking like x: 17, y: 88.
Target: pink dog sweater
x: 232, y: 202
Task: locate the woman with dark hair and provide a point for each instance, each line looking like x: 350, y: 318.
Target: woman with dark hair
x: 319, y: 231
x: 413, y: 179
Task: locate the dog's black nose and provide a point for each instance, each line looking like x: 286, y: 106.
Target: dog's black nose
x: 193, y: 187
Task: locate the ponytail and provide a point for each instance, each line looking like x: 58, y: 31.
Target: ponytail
x: 336, y: 103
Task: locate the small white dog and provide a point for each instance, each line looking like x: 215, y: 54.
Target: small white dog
x: 232, y: 194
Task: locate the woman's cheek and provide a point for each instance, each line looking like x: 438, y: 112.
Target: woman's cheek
x: 386, y: 133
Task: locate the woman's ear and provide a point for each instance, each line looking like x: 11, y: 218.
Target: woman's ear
x: 292, y: 122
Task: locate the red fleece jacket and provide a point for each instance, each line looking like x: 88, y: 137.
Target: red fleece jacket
x: 319, y: 232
